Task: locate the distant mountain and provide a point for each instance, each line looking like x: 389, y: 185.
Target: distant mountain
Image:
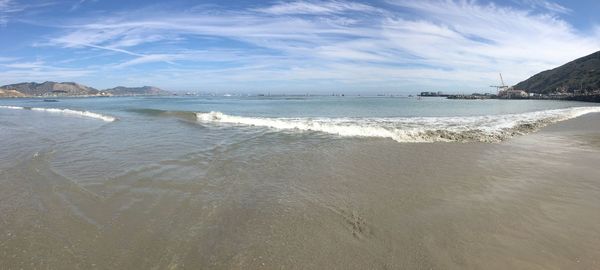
x: 73, y: 89
x: 129, y: 91
x: 583, y: 73
x: 10, y: 93
x: 51, y: 88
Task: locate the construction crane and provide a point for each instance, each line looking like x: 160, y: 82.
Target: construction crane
x: 502, y: 87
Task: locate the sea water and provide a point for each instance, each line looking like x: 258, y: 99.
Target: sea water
x: 399, y: 119
x: 297, y: 182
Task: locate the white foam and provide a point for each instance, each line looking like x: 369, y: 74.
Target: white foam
x: 490, y: 128
x: 11, y: 107
x: 106, y: 118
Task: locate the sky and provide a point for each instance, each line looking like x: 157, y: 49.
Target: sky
x: 379, y: 46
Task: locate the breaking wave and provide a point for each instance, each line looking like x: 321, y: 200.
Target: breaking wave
x: 490, y: 128
x: 106, y: 118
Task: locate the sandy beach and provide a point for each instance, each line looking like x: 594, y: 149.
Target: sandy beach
x: 531, y: 202
x: 300, y: 134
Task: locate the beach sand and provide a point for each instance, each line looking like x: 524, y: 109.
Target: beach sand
x: 532, y: 202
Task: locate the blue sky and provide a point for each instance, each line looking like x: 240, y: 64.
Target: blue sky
x: 391, y: 46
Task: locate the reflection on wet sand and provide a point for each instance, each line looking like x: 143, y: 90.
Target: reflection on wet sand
x: 305, y: 202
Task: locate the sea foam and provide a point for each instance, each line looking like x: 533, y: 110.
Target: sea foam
x: 489, y: 128
x: 106, y: 118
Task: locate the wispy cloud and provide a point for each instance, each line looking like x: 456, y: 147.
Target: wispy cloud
x: 26, y: 65
x: 476, y: 36
x: 316, y: 8
x: 152, y: 58
x: 334, y: 44
x: 546, y: 5
x: 12, y: 8
x: 7, y: 7
x: 38, y: 71
x: 7, y: 59
x: 80, y: 3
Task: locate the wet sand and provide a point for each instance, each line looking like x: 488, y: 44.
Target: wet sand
x: 532, y: 202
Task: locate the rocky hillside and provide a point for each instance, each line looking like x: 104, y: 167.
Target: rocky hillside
x: 583, y: 73
x: 51, y: 88
x: 73, y: 89
x: 10, y: 94
x: 134, y: 91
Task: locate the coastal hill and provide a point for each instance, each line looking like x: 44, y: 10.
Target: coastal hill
x: 10, y: 93
x: 49, y: 88
x: 32, y: 89
x: 582, y: 74
x: 128, y: 91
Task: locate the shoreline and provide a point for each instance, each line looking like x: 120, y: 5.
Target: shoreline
x: 580, y: 98
x: 271, y: 201
x: 81, y: 96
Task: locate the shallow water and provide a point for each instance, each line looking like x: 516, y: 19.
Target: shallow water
x: 159, y: 189
x: 399, y: 119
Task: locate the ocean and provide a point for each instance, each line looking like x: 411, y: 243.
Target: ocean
x: 295, y: 182
x: 399, y: 119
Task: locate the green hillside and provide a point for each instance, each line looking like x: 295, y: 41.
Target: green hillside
x: 583, y: 73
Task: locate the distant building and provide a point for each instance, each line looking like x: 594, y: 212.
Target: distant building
x: 433, y: 94
x: 513, y: 94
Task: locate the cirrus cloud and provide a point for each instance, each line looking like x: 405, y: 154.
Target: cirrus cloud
x: 447, y: 44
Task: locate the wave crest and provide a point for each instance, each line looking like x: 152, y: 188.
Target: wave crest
x: 106, y: 118
x: 490, y: 128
